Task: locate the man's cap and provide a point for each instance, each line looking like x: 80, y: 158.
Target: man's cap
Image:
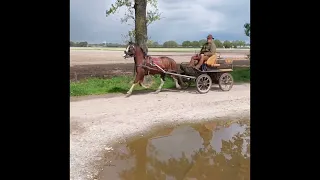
x: 210, y: 36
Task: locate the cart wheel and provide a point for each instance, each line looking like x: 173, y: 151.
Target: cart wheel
x: 225, y: 82
x: 203, y: 83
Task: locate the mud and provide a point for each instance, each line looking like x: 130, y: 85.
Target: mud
x: 217, y: 150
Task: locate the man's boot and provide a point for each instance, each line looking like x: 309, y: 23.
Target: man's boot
x: 199, y: 64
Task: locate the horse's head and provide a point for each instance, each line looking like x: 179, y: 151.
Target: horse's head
x: 130, y: 51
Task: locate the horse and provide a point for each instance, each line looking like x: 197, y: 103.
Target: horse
x: 146, y: 65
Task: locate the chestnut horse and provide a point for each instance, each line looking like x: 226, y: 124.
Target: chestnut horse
x: 145, y: 65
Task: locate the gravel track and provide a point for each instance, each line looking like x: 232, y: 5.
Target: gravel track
x: 96, y: 123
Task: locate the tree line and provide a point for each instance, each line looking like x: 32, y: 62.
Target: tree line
x: 78, y: 44
x: 168, y: 44
x: 195, y: 44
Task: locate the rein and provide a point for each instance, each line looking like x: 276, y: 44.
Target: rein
x: 145, y: 63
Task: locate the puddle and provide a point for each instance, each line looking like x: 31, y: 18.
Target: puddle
x: 218, y: 150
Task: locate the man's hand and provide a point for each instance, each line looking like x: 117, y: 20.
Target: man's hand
x: 208, y: 54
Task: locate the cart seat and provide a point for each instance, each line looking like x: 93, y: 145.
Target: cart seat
x: 212, y: 61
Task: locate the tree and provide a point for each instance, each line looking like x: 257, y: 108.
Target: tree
x: 137, y: 11
x: 218, y: 43
x: 195, y: 44
x: 155, y: 44
x: 186, y: 44
x: 152, y: 44
x: 149, y: 43
x: 242, y: 43
x: 247, y: 29
x: 202, y: 41
x: 83, y: 44
x: 227, y: 44
x: 72, y: 44
x: 235, y: 44
x: 170, y: 44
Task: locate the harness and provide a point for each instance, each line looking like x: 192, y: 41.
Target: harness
x: 147, y: 60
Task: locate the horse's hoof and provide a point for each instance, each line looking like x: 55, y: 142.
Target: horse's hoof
x: 128, y: 94
x: 179, y: 87
x: 156, y: 92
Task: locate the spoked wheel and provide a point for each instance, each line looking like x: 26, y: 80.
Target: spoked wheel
x: 203, y: 83
x: 225, y: 82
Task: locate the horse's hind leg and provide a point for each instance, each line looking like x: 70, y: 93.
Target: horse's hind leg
x: 161, y: 84
x: 176, y: 81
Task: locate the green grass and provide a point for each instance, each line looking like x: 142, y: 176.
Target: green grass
x: 121, y: 84
x: 241, y: 74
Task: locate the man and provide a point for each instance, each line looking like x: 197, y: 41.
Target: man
x: 208, y: 49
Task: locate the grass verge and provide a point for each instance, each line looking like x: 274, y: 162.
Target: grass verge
x: 121, y: 84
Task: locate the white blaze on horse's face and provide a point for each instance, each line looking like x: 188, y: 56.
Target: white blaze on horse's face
x: 125, y: 52
x: 125, y: 55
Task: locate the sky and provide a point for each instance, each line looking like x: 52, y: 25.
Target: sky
x: 181, y: 20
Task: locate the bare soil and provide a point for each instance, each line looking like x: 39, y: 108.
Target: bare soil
x: 92, y: 63
x: 86, y: 57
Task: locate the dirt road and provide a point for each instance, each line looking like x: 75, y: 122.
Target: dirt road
x: 97, y: 123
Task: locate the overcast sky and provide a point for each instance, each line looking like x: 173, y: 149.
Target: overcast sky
x: 182, y: 20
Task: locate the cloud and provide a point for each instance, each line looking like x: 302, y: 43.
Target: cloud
x: 182, y: 20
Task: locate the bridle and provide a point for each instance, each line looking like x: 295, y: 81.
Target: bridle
x: 132, y: 49
x: 145, y: 62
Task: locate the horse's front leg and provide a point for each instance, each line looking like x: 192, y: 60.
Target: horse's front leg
x: 139, y: 76
x: 131, y: 89
x: 161, y: 84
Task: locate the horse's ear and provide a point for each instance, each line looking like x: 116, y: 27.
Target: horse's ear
x: 130, y: 42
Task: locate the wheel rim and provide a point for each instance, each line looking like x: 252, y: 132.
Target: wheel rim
x: 226, y: 82
x: 204, y: 83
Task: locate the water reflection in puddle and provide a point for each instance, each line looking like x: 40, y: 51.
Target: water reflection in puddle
x: 212, y: 150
